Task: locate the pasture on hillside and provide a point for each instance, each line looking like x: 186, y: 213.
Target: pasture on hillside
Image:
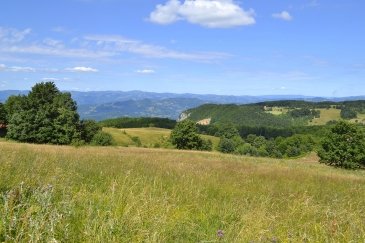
x: 149, y: 137
x: 117, y: 194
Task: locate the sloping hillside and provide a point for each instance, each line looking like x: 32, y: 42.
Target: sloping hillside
x: 91, y: 194
x: 278, y: 114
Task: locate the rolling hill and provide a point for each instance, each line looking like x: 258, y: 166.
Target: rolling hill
x: 278, y: 114
x: 102, y: 105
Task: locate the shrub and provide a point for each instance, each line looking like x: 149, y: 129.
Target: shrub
x: 226, y: 145
x: 185, y: 136
x: 207, y: 145
x: 88, y: 129
x: 102, y: 139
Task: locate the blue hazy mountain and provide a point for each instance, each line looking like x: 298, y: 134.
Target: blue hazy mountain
x: 110, y: 104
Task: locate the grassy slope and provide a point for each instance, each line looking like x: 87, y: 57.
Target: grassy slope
x: 148, y: 136
x: 156, y: 195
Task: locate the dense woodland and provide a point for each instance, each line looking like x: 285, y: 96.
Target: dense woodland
x: 137, y: 122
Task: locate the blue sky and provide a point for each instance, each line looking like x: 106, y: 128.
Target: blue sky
x: 257, y: 47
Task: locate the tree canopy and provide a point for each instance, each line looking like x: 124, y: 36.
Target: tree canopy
x: 45, y: 115
x: 185, y: 136
x: 344, y: 146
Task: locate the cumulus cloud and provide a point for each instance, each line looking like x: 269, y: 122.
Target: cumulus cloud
x: 207, y: 13
x: 284, y: 15
x: 146, y: 71
x: 82, y: 70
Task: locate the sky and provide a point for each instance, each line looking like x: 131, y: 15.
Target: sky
x: 230, y: 47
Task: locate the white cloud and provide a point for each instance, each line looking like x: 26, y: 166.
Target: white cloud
x: 82, y: 69
x: 22, y: 69
x: 101, y: 47
x: 146, y: 71
x: 50, y: 79
x: 207, y: 13
x: 53, y: 43
x: 284, y: 15
x: 16, y: 69
x: 10, y: 35
x: 121, y: 44
x: 55, y: 51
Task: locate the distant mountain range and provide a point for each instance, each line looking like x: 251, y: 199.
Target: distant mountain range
x: 101, y: 105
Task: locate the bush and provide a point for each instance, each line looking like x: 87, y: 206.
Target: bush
x: 185, y: 136
x: 347, y: 113
x: 343, y: 146
x: 226, y: 145
x: 102, y: 139
x: 207, y: 145
x: 88, y: 129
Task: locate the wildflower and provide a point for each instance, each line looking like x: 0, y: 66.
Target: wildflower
x: 220, y: 233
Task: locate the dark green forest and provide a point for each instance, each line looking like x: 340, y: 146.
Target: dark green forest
x: 132, y: 122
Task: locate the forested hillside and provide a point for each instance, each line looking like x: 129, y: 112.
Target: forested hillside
x: 276, y: 114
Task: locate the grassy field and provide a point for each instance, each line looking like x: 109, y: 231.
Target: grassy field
x: 118, y: 194
x: 148, y: 137
x: 326, y: 116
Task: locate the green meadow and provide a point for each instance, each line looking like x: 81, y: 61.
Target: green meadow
x: 149, y: 137
x: 129, y: 194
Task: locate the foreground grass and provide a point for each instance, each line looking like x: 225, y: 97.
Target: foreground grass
x: 51, y: 193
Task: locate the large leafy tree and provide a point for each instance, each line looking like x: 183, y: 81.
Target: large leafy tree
x: 344, y: 146
x: 3, y: 119
x: 185, y: 136
x: 45, y: 115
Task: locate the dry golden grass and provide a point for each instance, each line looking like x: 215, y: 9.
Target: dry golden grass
x: 116, y: 194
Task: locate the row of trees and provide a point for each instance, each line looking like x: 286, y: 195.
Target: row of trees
x: 342, y: 146
x: 254, y: 145
x: 47, y: 115
x: 137, y: 122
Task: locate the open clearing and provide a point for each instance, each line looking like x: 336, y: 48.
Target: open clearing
x: 149, y: 137
x: 117, y: 194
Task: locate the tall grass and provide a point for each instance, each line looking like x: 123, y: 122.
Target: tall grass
x: 90, y: 194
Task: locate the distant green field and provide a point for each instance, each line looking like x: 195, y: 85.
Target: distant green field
x: 116, y: 194
x: 149, y: 137
x: 326, y: 116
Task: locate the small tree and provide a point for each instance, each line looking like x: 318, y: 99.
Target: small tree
x: 347, y: 113
x: 344, y: 146
x: 226, y: 145
x: 185, y: 136
x: 88, y: 129
x: 102, y: 139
